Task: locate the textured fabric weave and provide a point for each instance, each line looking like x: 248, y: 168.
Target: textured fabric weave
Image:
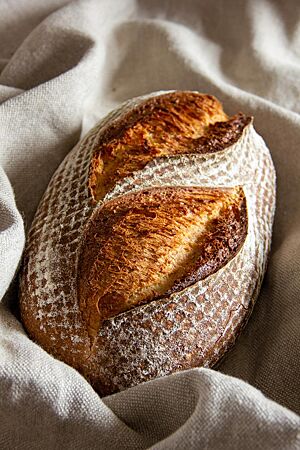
x: 63, y: 66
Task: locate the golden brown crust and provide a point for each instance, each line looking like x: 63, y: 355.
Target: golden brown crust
x: 166, y: 125
x: 146, y: 245
x: 79, y: 250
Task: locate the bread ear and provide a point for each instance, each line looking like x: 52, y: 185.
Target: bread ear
x: 178, y: 123
x: 148, y: 244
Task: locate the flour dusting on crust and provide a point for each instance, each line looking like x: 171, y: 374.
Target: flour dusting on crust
x: 197, y: 324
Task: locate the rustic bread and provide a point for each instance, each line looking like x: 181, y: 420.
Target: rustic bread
x: 148, y: 249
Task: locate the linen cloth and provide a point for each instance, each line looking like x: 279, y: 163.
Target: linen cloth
x: 63, y: 65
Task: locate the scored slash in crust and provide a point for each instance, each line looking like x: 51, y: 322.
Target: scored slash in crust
x: 172, y: 124
x: 150, y: 244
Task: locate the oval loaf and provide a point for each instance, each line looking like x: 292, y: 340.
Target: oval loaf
x: 148, y: 249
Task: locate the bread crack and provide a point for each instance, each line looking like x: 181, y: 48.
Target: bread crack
x: 149, y: 244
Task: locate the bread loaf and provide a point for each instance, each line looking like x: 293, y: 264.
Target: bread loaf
x: 148, y: 249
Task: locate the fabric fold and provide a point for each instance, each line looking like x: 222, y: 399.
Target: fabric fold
x: 64, y: 66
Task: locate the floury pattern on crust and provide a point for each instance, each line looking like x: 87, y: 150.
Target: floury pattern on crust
x: 190, y: 328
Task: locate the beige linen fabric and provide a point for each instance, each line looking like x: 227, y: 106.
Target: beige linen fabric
x: 63, y: 65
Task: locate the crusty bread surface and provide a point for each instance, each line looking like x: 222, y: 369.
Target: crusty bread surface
x: 148, y: 249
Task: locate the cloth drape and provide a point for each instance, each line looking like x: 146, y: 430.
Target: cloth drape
x: 63, y: 66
